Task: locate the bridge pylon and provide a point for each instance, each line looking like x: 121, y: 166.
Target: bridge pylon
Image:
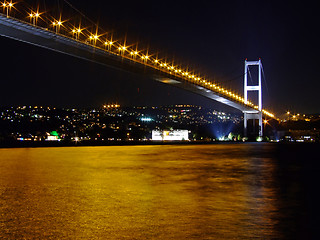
x: 253, y: 114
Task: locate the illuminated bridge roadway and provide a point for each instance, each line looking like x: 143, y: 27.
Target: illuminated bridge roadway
x: 121, y: 57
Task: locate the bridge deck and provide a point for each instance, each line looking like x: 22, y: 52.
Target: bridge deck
x: 25, y: 32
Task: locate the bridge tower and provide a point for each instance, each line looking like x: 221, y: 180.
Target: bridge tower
x: 258, y: 113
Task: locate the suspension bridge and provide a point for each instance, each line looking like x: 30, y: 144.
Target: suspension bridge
x: 24, y: 23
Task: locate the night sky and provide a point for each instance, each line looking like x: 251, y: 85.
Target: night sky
x: 212, y: 37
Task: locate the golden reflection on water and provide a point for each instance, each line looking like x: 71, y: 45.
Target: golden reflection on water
x: 137, y: 192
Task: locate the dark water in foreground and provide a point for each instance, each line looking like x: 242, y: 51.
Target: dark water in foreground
x: 228, y: 191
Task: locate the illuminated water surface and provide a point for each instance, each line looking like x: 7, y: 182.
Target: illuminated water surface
x: 228, y: 191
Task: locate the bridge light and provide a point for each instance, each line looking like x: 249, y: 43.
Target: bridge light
x: 94, y: 38
x: 133, y: 54
x: 8, y: 6
x: 145, y: 57
x: 108, y: 44
x: 122, y: 49
x: 34, y: 17
x: 76, y: 32
x: 56, y: 24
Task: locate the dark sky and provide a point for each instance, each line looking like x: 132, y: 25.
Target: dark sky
x: 213, y: 37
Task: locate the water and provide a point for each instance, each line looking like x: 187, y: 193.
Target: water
x: 227, y: 191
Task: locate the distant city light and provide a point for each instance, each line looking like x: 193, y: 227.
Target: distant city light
x: 146, y: 119
x: 111, y: 105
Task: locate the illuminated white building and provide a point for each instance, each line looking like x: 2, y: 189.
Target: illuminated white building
x: 53, y: 136
x: 174, y: 135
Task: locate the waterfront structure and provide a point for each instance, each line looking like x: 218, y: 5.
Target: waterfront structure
x: 170, y: 135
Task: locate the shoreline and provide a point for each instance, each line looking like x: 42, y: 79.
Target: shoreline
x: 32, y: 144
x: 18, y: 144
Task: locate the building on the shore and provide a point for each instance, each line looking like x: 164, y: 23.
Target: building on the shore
x: 170, y: 135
